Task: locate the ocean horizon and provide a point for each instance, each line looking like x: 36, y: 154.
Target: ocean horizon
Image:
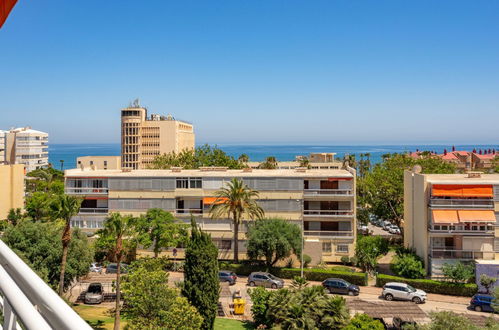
x: 256, y: 152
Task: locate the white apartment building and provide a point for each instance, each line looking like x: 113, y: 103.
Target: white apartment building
x: 26, y: 146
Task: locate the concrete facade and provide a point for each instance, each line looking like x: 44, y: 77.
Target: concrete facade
x: 25, y: 146
x: 99, y: 162
x: 144, y: 137
x: 450, y: 217
x: 11, y: 188
x: 320, y: 202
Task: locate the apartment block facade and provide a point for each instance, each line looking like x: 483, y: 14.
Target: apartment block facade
x: 24, y: 146
x: 144, y: 137
x: 11, y: 188
x: 321, y: 202
x: 451, y: 217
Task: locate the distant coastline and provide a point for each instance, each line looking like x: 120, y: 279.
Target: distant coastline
x: 256, y: 152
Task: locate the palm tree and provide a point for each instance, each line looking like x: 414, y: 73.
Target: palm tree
x: 117, y: 232
x: 270, y: 163
x: 236, y: 200
x: 65, y: 207
x: 62, y: 164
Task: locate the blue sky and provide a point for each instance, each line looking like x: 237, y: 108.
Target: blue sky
x: 326, y: 72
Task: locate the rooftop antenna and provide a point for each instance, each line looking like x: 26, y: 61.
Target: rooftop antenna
x: 136, y: 103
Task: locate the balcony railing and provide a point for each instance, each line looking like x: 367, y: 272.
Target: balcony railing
x: 328, y: 192
x: 462, y: 203
x: 99, y: 210
x: 86, y: 191
x: 460, y: 254
x: 26, y: 299
x: 189, y: 211
x: 461, y: 229
x: 324, y: 233
x: 328, y: 213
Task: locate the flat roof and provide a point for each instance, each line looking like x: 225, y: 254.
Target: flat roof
x: 199, y: 173
x: 461, y: 179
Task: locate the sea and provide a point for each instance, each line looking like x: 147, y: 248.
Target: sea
x: 69, y: 152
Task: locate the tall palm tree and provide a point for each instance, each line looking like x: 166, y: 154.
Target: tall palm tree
x: 64, y: 207
x: 117, y: 233
x: 236, y: 200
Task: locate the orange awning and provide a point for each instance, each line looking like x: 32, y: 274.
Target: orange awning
x: 476, y: 216
x: 459, y: 190
x: 214, y: 200
x: 445, y: 216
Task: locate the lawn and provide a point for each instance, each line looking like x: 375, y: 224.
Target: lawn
x: 98, y: 317
x: 229, y: 324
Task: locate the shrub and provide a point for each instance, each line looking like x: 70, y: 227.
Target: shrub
x: 364, y: 321
x: 260, y: 298
x: 408, y: 266
x: 431, y: 286
x: 458, y: 272
x: 306, y: 260
x: 487, y: 282
x: 322, y: 274
x: 345, y: 260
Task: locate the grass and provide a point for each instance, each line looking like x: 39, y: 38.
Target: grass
x: 229, y: 324
x: 98, y: 317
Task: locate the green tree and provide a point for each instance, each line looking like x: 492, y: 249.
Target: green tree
x: 364, y: 322
x: 64, y: 207
x: 458, y: 272
x: 381, y: 190
x: 270, y: 163
x: 38, y: 205
x: 118, y: 236
x: 40, y: 246
x: 201, y: 156
x: 487, y: 282
x: 273, y: 239
x: 408, y: 264
x: 243, y: 158
x: 368, y: 249
x: 201, y: 284
x: 151, y: 304
x: 159, y: 229
x: 236, y: 200
x: 15, y: 216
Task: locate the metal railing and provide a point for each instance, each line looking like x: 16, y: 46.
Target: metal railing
x: 26, y: 299
x: 461, y: 229
x: 86, y: 191
x: 459, y: 254
x: 94, y: 210
x: 324, y: 233
x: 189, y: 211
x: 462, y: 203
x: 328, y: 213
x: 325, y: 192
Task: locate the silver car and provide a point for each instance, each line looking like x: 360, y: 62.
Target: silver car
x: 265, y: 279
x: 94, y: 294
x: 402, y: 291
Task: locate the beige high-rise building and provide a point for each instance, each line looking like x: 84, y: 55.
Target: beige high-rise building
x: 11, y: 188
x: 451, y: 217
x: 144, y: 137
x: 25, y: 146
x: 320, y: 201
x: 2, y: 146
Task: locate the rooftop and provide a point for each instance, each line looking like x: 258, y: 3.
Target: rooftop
x: 326, y: 173
x: 462, y: 179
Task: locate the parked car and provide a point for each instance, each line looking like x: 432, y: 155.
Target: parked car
x: 483, y: 303
x: 265, y: 279
x: 402, y: 291
x: 94, y: 294
x: 227, y: 276
x: 394, y: 230
x: 113, y: 268
x: 399, y: 323
x: 386, y: 225
x: 95, y: 268
x: 338, y: 285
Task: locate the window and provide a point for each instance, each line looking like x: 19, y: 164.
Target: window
x: 224, y: 244
x: 342, y: 248
x: 182, y: 183
x: 326, y: 247
x: 195, y: 183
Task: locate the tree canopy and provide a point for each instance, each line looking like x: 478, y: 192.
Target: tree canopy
x: 368, y: 249
x: 273, y: 240
x: 381, y: 190
x: 201, y: 156
x: 39, y: 245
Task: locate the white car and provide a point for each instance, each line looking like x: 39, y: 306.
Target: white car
x: 402, y: 291
x: 95, y: 268
x: 394, y: 230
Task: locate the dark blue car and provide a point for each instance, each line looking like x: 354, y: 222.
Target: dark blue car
x: 483, y: 303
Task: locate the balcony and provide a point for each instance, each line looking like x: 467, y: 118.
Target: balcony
x: 327, y: 192
x: 86, y: 191
x: 184, y: 212
x: 328, y: 234
x: 468, y: 230
x: 94, y: 210
x: 461, y: 254
x: 328, y: 213
x: 461, y: 203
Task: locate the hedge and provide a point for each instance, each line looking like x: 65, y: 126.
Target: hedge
x: 314, y: 274
x: 431, y: 286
